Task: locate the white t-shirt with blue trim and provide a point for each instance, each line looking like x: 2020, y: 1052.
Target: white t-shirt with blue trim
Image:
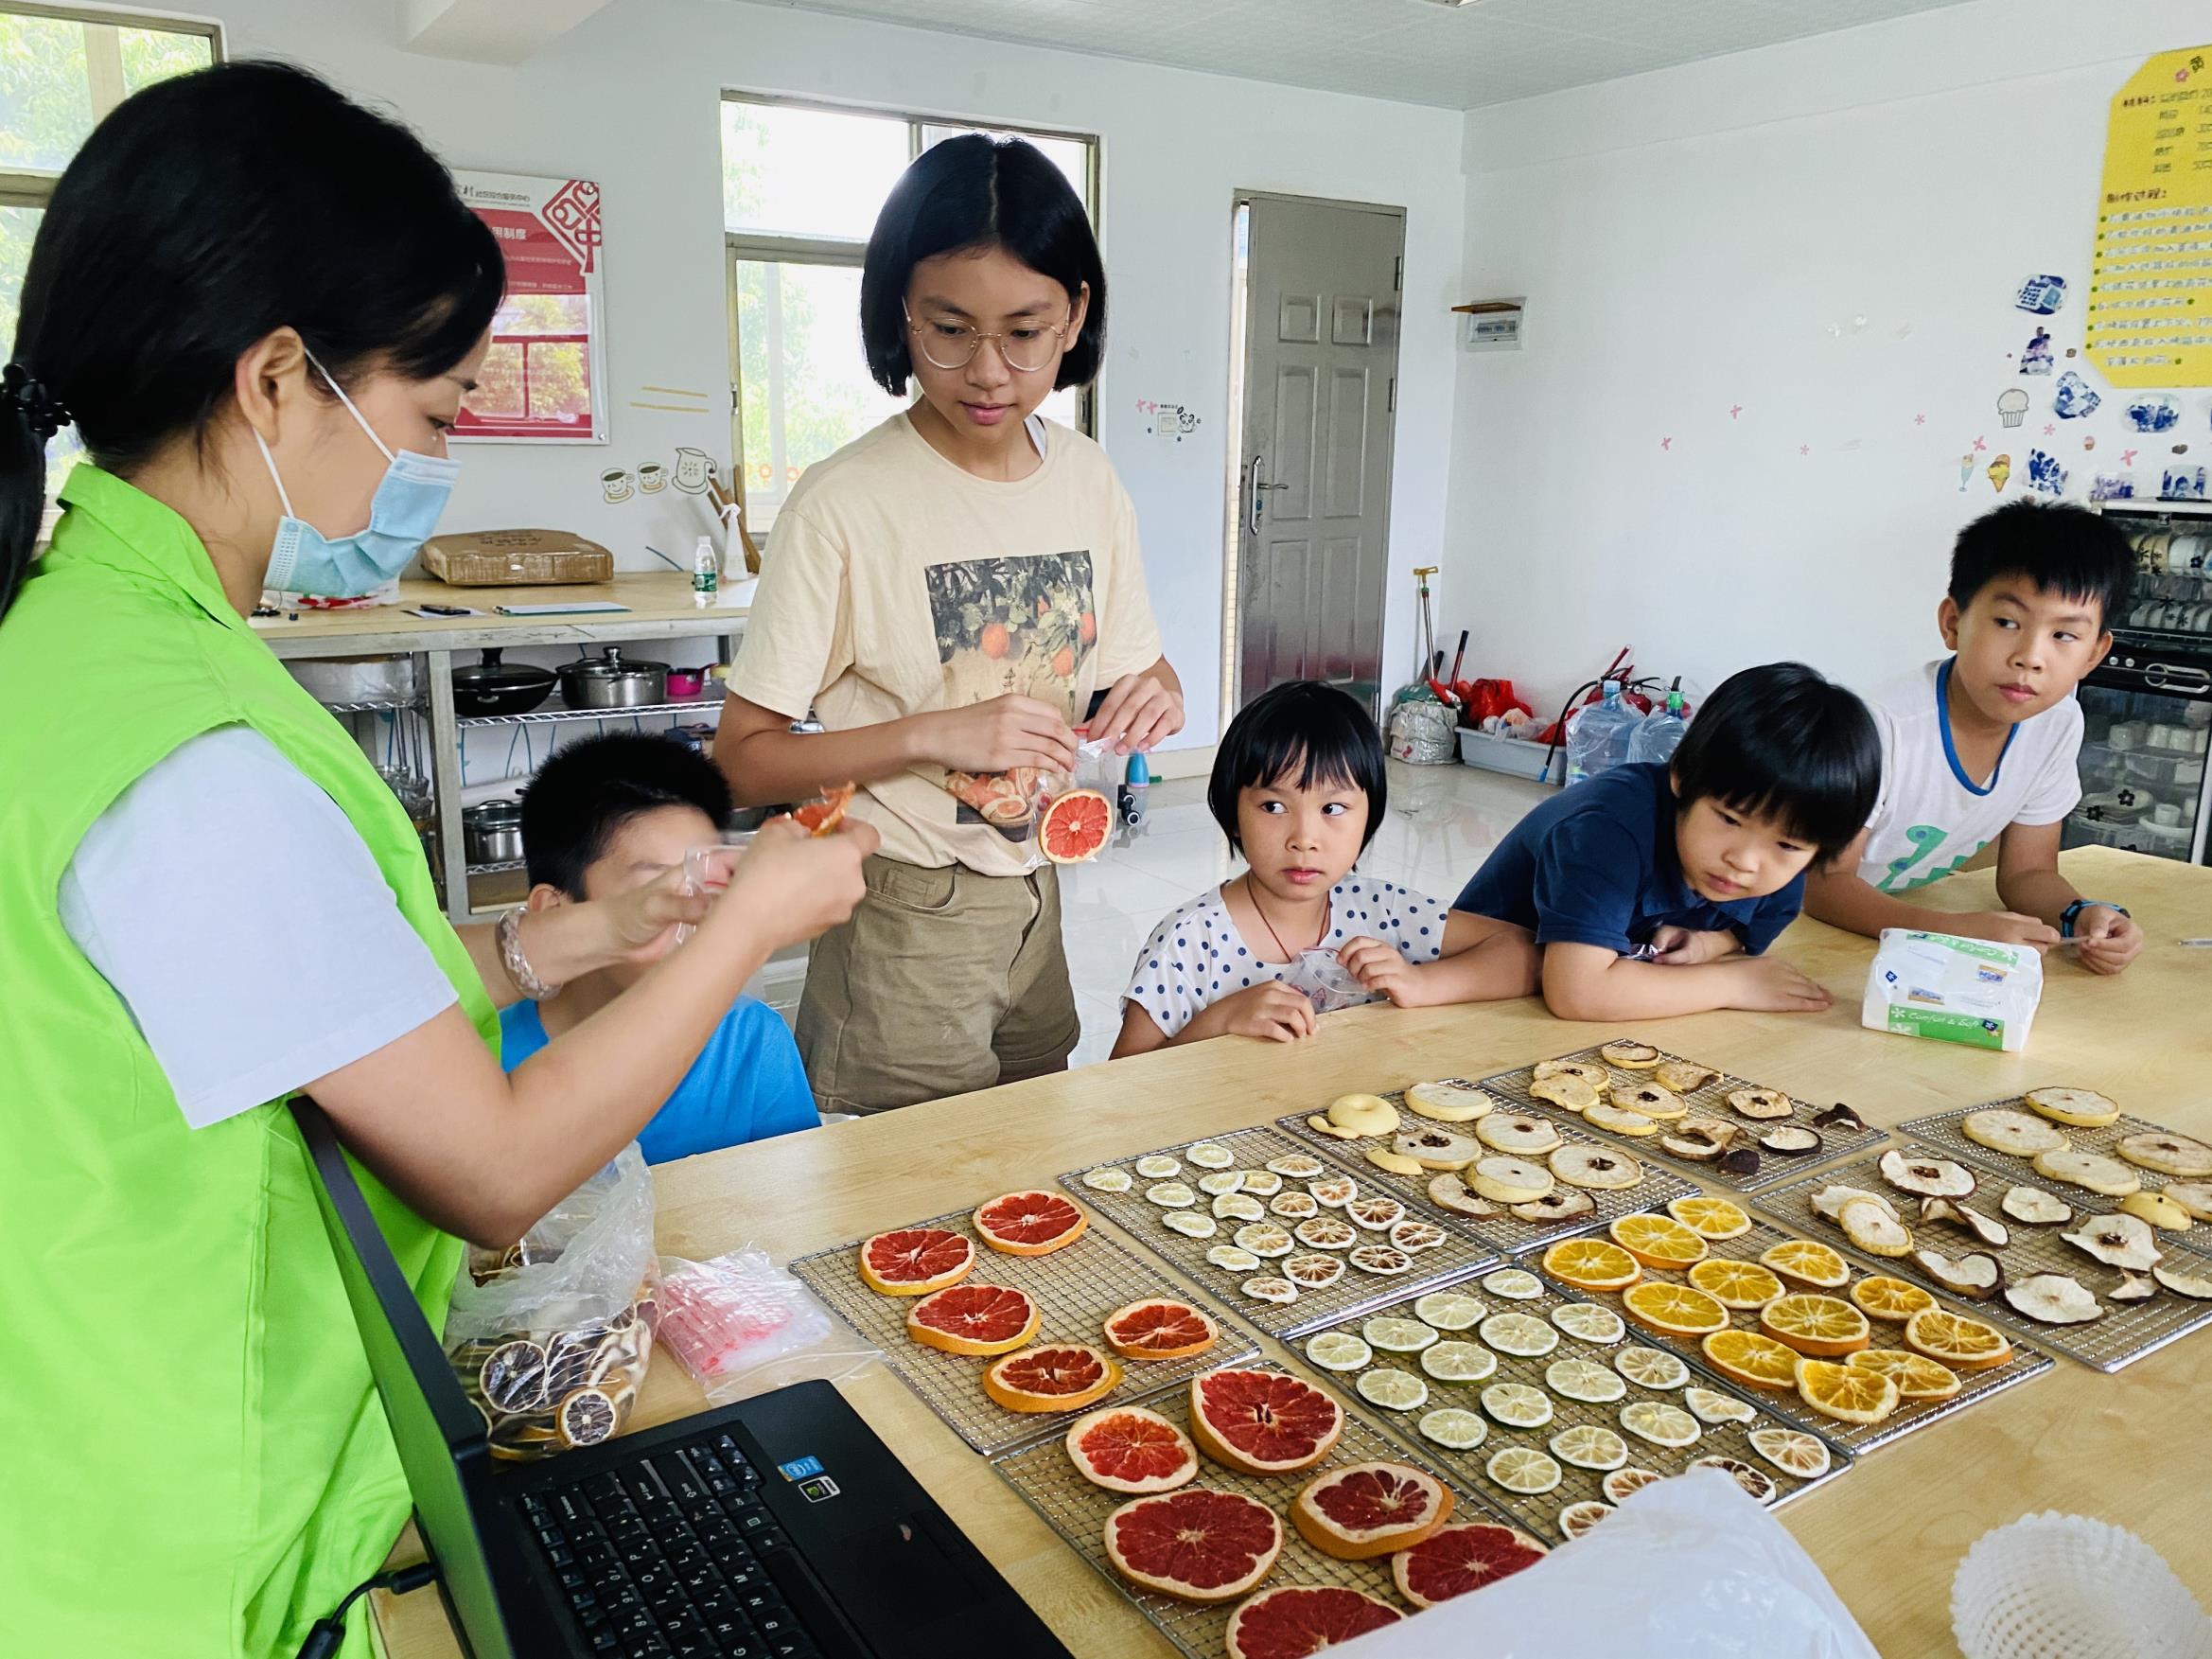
x: 1196, y: 957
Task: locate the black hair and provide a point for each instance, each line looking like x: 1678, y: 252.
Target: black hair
x: 970, y: 194
x: 590, y: 789
x: 1783, y: 742
x: 202, y: 215
x: 1303, y: 727
x: 2061, y: 548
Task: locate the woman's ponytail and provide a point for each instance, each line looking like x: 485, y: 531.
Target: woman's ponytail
x: 29, y: 416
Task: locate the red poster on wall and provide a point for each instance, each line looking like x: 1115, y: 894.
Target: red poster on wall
x: 544, y: 378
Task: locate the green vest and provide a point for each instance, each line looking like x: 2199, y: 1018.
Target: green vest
x: 192, y: 1460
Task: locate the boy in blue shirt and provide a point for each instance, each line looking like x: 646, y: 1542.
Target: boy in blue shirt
x: 609, y: 814
x: 1653, y: 890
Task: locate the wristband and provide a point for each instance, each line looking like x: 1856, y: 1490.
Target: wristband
x: 516, y: 964
x: 2067, y: 916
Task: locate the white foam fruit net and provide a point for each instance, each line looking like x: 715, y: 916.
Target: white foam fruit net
x: 2055, y: 1586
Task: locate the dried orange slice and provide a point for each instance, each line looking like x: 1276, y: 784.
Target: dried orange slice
x: 1917, y: 1376
x: 1735, y: 1284
x: 1658, y: 1241
x: 1846, y: 1393
x: 1674, y: 1310
x: 1822, y: 1326
x: 1710, y: 1217
x: 1964, y: 1344
x: 1808, y: 1263
x: 1747, y: 1357
x: 1592, y: 1264
x: 1880, y: 1297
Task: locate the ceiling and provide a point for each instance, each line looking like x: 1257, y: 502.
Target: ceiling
x: 1414, y: 51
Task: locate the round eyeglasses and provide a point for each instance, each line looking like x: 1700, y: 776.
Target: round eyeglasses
x: 1024, y: 349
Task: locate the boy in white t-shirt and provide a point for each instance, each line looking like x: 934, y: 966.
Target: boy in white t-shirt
x: 1985, y: 745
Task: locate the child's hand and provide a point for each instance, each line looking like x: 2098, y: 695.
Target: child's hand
x: 1380, y: 969
x: 641, y: 923
x: 2009, y: 927
x: 1770, y: 985
x: 1272, y: 1013
x: 1682, y: 947
x: 2109, y: 940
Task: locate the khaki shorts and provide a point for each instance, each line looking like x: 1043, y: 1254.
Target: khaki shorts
x: 943, y: 982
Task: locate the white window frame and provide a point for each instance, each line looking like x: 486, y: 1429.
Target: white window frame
x: 753, y: 247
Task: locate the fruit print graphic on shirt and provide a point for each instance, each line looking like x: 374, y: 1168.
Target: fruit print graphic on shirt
x: 1021, y: 627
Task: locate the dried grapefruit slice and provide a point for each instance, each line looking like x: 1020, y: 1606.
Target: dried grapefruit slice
x: 973, y: 1318
x: 822, y: 815
x: 1674, y: 1310
x: 1592, y: 1264
x: 1658, y: 1241
x: 1823, y: 1327
x: 1756, y: 1361
x: 1030, y: 1224
x: 1293, y: 1622
x: 1362, y: 1509
x: 1159, y: 1328
x: 1262, y: 1423
x: 912, y: 1261
x: 1062, y: 1376
x: 1459, y: 1559
x: 1128, y: 1449
x: 1075, y: 826
x: 1195, y: 1544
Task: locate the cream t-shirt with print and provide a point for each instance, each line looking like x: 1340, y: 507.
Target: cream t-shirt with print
x: 896, y: 584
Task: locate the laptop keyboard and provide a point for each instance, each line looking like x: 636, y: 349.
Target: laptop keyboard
x: 668, y: 1557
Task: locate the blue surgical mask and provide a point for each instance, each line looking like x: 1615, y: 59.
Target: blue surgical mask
x: 402, y: 515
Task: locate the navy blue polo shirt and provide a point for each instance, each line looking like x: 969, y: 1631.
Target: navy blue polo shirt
x: 1596, y: 865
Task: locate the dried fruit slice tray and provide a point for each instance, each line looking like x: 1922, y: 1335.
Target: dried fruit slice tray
x: 1739, y: 1276
x: 1567, y: 1163
x: 1072, y: 1289
x: 1290, y: 1235
x: 1771, y: 1134
x: 1074, y: 1507
x: 1502, y: 1370
x: 2117, y: 1334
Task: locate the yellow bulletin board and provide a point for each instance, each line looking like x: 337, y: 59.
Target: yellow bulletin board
x: 2149, y: 318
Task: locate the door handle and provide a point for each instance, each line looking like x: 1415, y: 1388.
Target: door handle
x: 1256, y: 487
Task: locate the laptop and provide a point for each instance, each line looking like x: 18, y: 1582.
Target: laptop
x: 779, y: 1528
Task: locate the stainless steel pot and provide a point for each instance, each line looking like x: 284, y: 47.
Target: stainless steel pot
x: 492, y: 832
x: 609, y: 681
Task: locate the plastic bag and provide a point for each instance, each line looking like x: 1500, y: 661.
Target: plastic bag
x: 552, y: 1337
x: 1423, y: 734
x: 1690, y: 1568
x: 742, y: 1326
x: 1327, y: 983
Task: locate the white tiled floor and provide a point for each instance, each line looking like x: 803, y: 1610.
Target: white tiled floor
x: 1442, y: 822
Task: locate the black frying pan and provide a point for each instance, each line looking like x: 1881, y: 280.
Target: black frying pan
x: 493, y: 687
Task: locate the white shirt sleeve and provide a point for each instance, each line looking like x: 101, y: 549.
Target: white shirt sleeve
x: 237, y: 913
x: 1167, y: 982
x: 2057, y: 788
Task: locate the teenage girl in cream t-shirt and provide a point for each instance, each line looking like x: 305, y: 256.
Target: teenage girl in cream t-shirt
x: 948, y: 592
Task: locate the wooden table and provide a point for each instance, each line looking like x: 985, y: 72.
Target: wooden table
x: 2129, y: 1448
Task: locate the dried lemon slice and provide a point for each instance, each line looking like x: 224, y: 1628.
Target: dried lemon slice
x: 1239, y: 1207
x: 1586, y: 1322
x: 1269, y: 1288
x: 1448, y: 1310
x: 1377, y: 1214
x: 1514, y: 1284
x: 1458, y: 1362
x: 1392, y: 1389
x: 1333, y: 1192
x: 1583, y: 1380
x: 1755, y: 1482
x: 1170, y: 1195
x: 1710, y: 1217
x: 1592, y: 1264
x: 1519, y: 1333
x: 1263, y: 1238
x: 1338, y: 1351
x: 1623, y: 1484
x: 1735, y: 1284
x: 1209, y: 1156
x: 1158, y: 1166
x: 1260, y: 1183
x: 1298, y: 1166
x: 1589, y: 1445
x: 1523, y: 1469
x: 1454, y: 1427
x: 1326, y: 1233
x: 1190, y: 1223
x: 1650, y: 1367
x: 1216, y: 1182
x: 1232, y: 1259
x: 1516, y: 1406
x: 1576, y: 1519
x: 1791, y: 1451
x: 1662, y: 1423
x: 1292, y: 1206
x: 1917, y: 1376
x: 1710, y: 1405
x: 1315, y: 1271
x: 1395, y: 1335
x: 1108, y: 1180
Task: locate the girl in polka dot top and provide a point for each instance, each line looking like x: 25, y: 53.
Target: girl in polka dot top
x: 1298, y: 787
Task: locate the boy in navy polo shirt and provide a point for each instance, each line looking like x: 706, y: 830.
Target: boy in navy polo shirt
x: 1654, y: 889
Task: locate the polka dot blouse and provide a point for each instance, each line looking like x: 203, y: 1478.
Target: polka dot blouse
x: 1197, y: 956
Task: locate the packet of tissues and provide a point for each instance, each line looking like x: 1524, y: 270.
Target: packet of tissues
x: 1968, y: 991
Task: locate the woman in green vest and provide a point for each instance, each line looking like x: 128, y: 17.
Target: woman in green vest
x: 260, y: 306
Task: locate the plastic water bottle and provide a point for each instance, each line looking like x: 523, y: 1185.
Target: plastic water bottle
x: 1658, y: 735
x: 1597, y: 737
x: 706, y: 573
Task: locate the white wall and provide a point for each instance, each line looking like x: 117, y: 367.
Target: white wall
x: 630, y: 100
x: 1828, y: 234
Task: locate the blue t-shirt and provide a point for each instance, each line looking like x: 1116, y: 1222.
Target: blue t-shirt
x: 747, y: 1084
x: 1596, y: 865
